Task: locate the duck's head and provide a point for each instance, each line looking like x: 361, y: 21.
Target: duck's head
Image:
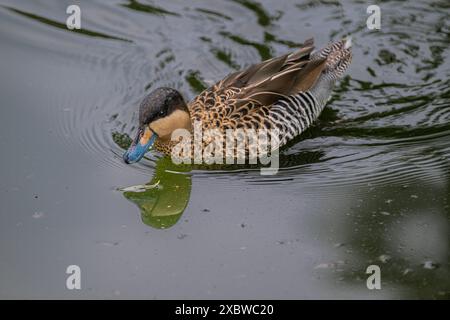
x: 160, y: 113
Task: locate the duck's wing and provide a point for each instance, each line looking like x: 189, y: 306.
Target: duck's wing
x: 270, y: 80
x: 246, y: 96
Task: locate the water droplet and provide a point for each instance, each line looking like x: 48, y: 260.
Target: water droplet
x: 108, y: 243
x: 406, y: 271
x: 430, y: 265
x: 384, y: 258
x: 38, y: 215
x: 325, y: 266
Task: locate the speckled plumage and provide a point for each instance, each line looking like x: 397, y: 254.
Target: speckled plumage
x: 287, y: 93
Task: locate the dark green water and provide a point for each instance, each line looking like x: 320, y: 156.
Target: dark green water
x: 368, y: 184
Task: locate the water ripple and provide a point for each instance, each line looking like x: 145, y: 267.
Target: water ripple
x: 387, y: 122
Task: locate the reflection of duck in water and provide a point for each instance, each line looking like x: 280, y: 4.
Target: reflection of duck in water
x: 159, y: 208
x: 286, y: 93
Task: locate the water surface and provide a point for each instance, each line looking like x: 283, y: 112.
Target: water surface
x: 368, y: 184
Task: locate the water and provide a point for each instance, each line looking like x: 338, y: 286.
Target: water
x: 368, y: 184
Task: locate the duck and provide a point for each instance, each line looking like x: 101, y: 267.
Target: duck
x: 286, y: 93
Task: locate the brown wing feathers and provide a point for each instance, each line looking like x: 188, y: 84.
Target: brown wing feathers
x: 270, y: 80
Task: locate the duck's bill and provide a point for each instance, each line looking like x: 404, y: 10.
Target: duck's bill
x: 141, y: 144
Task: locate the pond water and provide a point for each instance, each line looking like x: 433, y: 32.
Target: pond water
x: 369, y: 184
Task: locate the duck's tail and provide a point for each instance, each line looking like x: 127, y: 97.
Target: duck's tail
x: 338, y: 56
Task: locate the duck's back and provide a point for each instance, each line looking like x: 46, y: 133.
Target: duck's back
x: 286, y: 93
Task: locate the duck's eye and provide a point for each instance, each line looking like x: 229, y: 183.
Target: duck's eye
x: 162, y: 113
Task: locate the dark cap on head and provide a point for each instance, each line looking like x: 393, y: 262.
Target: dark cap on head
x: 158, y: 104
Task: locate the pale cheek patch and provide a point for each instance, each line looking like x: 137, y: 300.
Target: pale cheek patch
x: 165, y: 126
